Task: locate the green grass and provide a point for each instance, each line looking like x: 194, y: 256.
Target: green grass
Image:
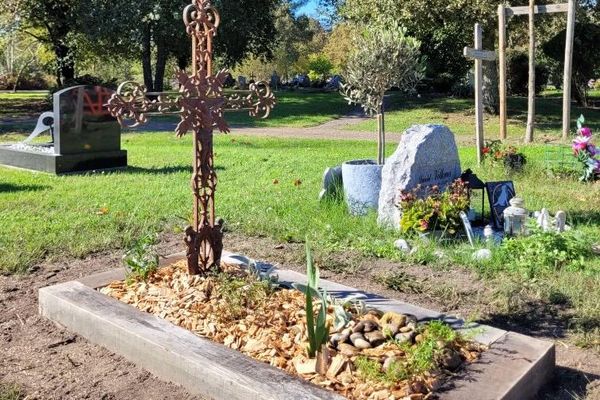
x: 293, y: 110
x: 459, y: 115
x: 21, y: 105
x: 10, y: 392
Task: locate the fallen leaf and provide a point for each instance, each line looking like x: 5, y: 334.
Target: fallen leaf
x: 102, y: 211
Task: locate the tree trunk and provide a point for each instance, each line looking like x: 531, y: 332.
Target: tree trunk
x: 66, y: 63
x: 491, y: 94
x: 161, y: 62
x: 531, y: 97
x: 147, y: 58
x: 381, y: 136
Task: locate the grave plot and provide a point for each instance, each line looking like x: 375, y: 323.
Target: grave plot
x: 364, y: 347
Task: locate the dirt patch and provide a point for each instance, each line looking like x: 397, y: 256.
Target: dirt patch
x: 48, y: 362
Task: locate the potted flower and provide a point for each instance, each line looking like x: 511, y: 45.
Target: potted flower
x: 385, y: 57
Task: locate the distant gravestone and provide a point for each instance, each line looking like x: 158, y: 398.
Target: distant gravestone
x: 333, y: 186
x: 427, y: 155
x: 85, y: 136
x: 242, y: 82
x: 275, y: 81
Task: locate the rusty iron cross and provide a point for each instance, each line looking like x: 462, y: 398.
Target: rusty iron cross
x: 201, y: 103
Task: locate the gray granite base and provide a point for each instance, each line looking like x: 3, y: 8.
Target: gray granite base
x: 62, y: 164
x: 514, y: 367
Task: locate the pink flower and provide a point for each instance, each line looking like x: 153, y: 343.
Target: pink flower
x: 580, y: 143
x: 424, y: 224
x: 585, y: 132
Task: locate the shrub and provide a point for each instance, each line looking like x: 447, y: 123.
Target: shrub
x: 518, y: 74
x: 508, y: 156
x: 543, y: 251
x: 436, y: 210
x: 141, y: 260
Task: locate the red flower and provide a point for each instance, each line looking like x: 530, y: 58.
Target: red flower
x: 486, y: 150
x: 424, y: 224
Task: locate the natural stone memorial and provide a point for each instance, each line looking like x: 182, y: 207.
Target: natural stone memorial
x: 84, y: 136
x: 426, y: 156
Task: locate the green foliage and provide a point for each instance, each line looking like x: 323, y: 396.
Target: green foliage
x: 241, y: 293
x: 443, y: 27
x: 507, y: 155
x: 317, y: 328
x: 319, y: 67
x: 419, y: 358
x: 586, y: 56
x: 383, y: 58
x: 428, y: 209
x: 10, y: 392
x: 518, y: 74
x: 545, y: 251
x: 140, y: 259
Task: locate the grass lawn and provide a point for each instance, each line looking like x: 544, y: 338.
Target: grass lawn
x: 459, y: 115
x: 44, y: 216
x: 297, y: 109
x: 21, y: 104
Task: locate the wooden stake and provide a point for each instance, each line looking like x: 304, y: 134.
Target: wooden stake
x: 502, y: 68
x: 567, y: 88
x: 479, y: 93
x: 531, y: 97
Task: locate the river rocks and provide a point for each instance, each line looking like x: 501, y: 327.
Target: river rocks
x: 339, y: 337
x: 359, y: 341
x: 375, y: 338
x: 366, y: 326
x: 347, y: 349
x: 427, y: 155
x: 407, y: 337
x: 482, y: 255
x: 402, y: 245
x: 390, y: 329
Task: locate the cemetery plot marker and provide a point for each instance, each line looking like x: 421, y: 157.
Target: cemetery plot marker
x: 201, y: 103
x: 479, y: 55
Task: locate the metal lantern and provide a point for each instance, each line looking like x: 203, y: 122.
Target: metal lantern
x: 474, y: 185
x: 515, y: 218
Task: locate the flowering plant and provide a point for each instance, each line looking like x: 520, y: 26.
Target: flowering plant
x: 429, y: 209
x: 586, y: 152
x: 509, y: 156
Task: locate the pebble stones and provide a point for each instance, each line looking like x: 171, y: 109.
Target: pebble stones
x: 373, y: 331
x: 367, y: 325
x: 359, y: 341
x: 375, y: 338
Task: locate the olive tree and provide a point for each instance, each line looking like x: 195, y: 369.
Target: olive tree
x: 385, y: 57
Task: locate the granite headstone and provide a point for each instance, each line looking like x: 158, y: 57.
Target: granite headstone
x: 427, y: 155
x: 85, y: 136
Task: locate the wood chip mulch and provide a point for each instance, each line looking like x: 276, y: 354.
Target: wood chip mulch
x: 273, y: 330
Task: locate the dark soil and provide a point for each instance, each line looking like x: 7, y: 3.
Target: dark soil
x: 47, y: 362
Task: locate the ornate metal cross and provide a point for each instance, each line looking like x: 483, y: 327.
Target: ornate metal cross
x: 201, y: 103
